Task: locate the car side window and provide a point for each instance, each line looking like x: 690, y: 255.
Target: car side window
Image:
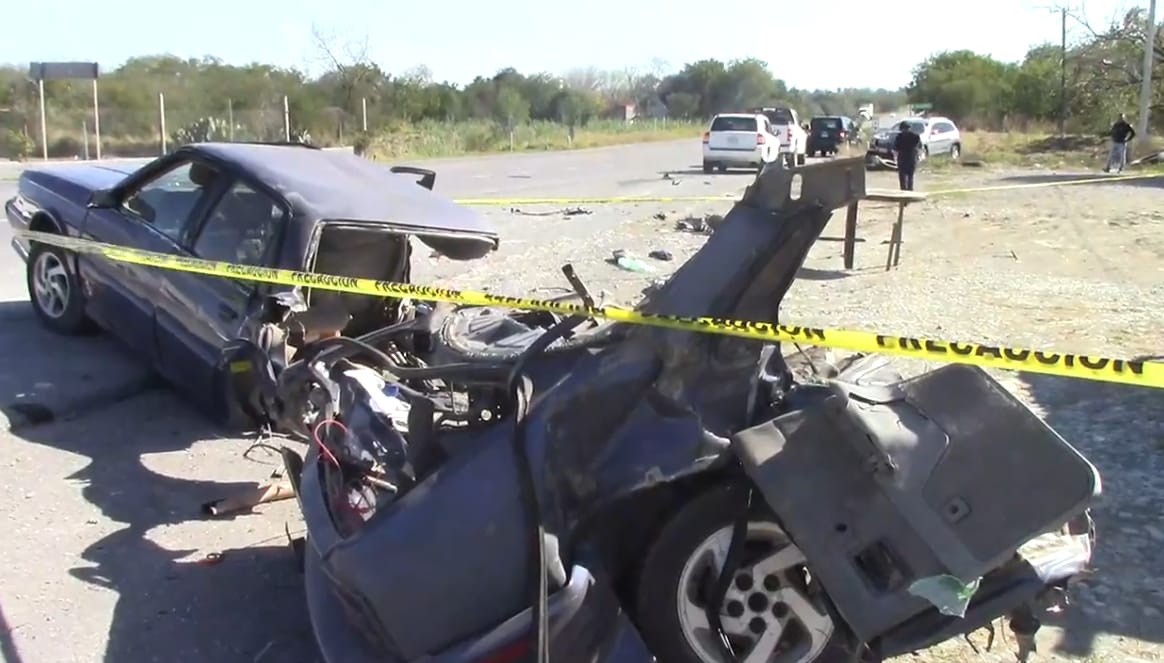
x: 241, y: 228
x: 167, y: 201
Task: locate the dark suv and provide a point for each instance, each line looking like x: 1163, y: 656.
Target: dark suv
x: 827, y: 133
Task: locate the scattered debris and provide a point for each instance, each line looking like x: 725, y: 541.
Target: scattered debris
x: 211, y: 559
x: 567, y: 211
x: 661, y: 254
x: 706, y: 224
x: 654, y: 285
x: 661, y: 216
x: 691, y: 224
x: 624, y: 260
x: 272, y: 491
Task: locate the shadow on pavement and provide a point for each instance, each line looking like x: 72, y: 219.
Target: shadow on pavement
x: 149, y: 462
x: 1149, y: 181
x: 813, y: 274
x: 1120, y: 429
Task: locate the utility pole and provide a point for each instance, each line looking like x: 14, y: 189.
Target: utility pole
x: 1146, y: 73
x: 1063, y: 71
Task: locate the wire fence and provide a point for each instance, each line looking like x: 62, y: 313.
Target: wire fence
x: 150, y: 126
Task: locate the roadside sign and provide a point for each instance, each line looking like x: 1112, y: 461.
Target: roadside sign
x: 925, y: 105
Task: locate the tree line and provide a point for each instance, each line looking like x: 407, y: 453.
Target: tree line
x: 207, y: 99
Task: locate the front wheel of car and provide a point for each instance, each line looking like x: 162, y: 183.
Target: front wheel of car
x: 955, y: 151
x: 55, y: 290
x: 774, y: 610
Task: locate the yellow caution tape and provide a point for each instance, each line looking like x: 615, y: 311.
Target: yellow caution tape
x: 1125, y: 371
x: 620, y: 200
x: 616, y: 200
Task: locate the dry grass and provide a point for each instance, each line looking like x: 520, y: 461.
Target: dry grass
x: 441, y: 139
x: 1043, y: 150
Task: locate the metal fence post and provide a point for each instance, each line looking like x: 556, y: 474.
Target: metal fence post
x: 364, y: 112
x: 286, y: 120
x: 43, y: 122
x: 96, y: 121
x: 162, y: 119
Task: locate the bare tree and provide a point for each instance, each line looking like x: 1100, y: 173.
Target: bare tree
x: 349, y: 61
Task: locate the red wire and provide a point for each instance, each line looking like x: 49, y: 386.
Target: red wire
x: 323, y: 447
x: 335, y: 461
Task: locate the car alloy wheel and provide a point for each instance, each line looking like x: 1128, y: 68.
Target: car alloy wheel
x: 51, y: 285
x: 772, y: 613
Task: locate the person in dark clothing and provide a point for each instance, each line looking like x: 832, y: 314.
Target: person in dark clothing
x: 1122, y: 133
x: 905, y: 153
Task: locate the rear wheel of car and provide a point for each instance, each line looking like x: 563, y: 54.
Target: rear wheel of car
x: 721, y: 168
x: 55, y: 290
x: 707, y: 166
x: 955, y: 151
x: 801, y: 159
x: 774, y: 610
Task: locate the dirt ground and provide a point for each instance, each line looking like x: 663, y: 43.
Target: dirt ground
x: 1074, y: 268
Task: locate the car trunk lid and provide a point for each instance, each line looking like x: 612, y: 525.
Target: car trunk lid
x: 733, y: 133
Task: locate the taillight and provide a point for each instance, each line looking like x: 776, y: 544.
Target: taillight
x: 760, y: 139
x: 842, y: 134
x: 706, y: 136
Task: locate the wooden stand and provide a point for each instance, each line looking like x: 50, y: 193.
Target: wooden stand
x: 899, y: 198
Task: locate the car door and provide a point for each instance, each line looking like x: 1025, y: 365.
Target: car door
x: 939, y: 139
x: 199, y: 315
x: 154, y: 208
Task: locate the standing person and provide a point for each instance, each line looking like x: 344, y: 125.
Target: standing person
x: 1122, y: 133
x: 905, y: 153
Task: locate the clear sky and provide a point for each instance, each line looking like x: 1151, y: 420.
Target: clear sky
x: 825, y: 44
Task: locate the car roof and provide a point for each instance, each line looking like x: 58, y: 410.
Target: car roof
x: 337, y: 185
x: 737, y: 115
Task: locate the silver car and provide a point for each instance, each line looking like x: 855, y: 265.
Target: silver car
x: 939, y: 137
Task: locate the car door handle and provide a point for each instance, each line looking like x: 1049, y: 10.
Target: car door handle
x: 227, y: 313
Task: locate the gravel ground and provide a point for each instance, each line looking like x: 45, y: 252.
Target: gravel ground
x: 1070, y: 268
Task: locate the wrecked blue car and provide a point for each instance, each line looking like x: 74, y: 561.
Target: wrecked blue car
x: 491, y: 486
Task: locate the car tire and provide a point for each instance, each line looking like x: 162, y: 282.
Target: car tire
x: 955, y: 151
x: 671, y: 583
x: 801, y: 159
x: 721, y: 167
x: 54, y: 290
x: 707, y: 166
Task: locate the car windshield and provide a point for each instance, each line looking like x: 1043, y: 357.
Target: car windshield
x: 826, y: 123
x: 734, y: 123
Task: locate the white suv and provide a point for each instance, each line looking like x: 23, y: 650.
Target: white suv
x: 739, y: 140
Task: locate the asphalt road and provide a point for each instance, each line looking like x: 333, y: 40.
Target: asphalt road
x: 106, y: 551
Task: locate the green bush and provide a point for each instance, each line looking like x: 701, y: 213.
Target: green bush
x: 16, y: 145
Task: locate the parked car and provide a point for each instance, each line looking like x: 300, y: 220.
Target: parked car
x: 739, y: 140
x: 826, y: 134
x: 939, y: 137
x: 792, y: 133
x: 283, y: 205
